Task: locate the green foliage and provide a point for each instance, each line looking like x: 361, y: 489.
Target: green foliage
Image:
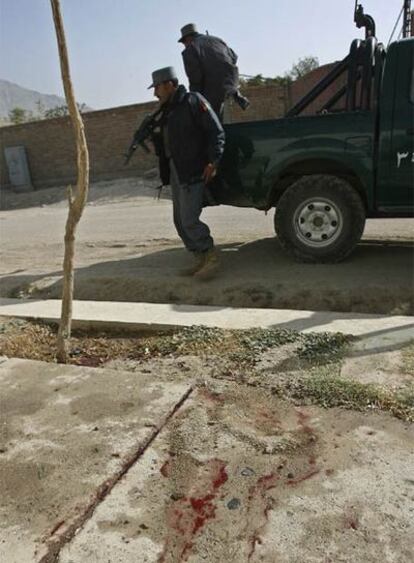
x: 260, y: 80
x: 187, y: 340
x: 332, y: 391
x: 60, y: 111
x: 19, y: 115
x: 323, y: 347
x: 406, y: 396
x: 408, y: 359
x: 40, y: 109
x: 303, y: 66
x: 299, y: 69
x: 262, y: 339
x: 318, y: 380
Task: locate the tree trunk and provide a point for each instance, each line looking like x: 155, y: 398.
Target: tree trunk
x: 76, y: 202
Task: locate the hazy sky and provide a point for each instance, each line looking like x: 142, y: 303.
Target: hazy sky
x: 115, y: 44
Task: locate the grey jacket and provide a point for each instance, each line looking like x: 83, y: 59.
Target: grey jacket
x: 211, y: 69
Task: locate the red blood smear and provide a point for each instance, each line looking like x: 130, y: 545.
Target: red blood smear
x: 267, y: 481
x: 269, y: 417
x: 253, y: 541
x: 166, y: 468
x: 263, y: 485
x: 303, y: 478
x: 187, y: 547
x: 89, y: 361
x: 352, y: 523
x: 303, y: 417
x: 188, y: 515
x: 213, y: 397
x: 221, y: 478
x: 199, y: 503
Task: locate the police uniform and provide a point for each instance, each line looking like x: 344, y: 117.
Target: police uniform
x: 210, y: 65
x: 192, y: 137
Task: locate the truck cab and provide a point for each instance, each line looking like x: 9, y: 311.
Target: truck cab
x: 395, y: 166
x: 326, y: 173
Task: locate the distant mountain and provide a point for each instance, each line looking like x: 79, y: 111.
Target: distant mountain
x: 13, y: 95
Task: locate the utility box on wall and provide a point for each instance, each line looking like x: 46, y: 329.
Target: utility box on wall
x: 18, y: 168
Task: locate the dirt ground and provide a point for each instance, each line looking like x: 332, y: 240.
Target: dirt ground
x: 289, y: 448
x: 279, y: 447
x: 241, y: 476
x: 128, y: 250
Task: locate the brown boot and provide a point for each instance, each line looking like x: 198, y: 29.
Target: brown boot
x: 198, y: 258
x: 210, y: 266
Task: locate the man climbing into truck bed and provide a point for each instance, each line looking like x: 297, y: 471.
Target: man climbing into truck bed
x: 210, y: 65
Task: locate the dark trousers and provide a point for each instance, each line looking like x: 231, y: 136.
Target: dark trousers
x: 187, y: 207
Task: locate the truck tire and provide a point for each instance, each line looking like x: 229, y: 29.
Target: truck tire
x: 320, y: 218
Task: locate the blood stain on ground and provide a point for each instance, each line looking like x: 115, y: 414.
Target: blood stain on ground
x: 302, y: 419
x: 187, y: 516
x: 304, y: 477
x: 166, y: 468
x: 211, y: 396
x: 258, y: 494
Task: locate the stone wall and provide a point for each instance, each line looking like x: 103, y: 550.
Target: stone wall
x: 50, y: 144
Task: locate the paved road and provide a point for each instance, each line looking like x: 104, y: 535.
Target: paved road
x: 142, y: 219
x: 128, y: 250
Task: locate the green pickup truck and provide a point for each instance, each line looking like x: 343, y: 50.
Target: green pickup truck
x: 326, y: 173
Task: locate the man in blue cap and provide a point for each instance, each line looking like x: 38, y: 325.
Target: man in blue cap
x: 189, y: 144
x: 211, y: 68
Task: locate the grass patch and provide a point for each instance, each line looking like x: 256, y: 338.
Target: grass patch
x: 323, y: 347
x: 328, y: 390
x: 408, y: 359
x: 262, y: 339
x: 22, y: 339
x: 406, y: 396
x: 34, y: 340
x: 238, y: 350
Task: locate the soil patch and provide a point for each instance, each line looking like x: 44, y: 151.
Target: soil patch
x: 307, y: 368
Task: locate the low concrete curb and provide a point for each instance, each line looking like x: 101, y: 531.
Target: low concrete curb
x: 156, y: 316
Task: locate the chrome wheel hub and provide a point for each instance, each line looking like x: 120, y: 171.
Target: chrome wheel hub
x: 318, y: 222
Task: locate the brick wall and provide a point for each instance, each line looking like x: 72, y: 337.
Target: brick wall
x: 50, y: 144
x: 301, y: 87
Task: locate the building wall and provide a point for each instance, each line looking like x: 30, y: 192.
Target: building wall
x: 50, y: 144
x: 51, y: 150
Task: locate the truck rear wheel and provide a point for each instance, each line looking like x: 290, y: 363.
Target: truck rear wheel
x: 320, y: 218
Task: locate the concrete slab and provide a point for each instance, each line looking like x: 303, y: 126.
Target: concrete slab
x: 380, y: 329
x: 67, y: 434
x: 240, y: 476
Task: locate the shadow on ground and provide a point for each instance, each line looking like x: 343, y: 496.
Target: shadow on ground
x: 377, y: 278
x: 103, y: 192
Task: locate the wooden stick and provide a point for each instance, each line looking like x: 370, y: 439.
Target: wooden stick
x: 78, y: 200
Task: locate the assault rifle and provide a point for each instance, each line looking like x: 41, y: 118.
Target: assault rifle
x: 144, y: 131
